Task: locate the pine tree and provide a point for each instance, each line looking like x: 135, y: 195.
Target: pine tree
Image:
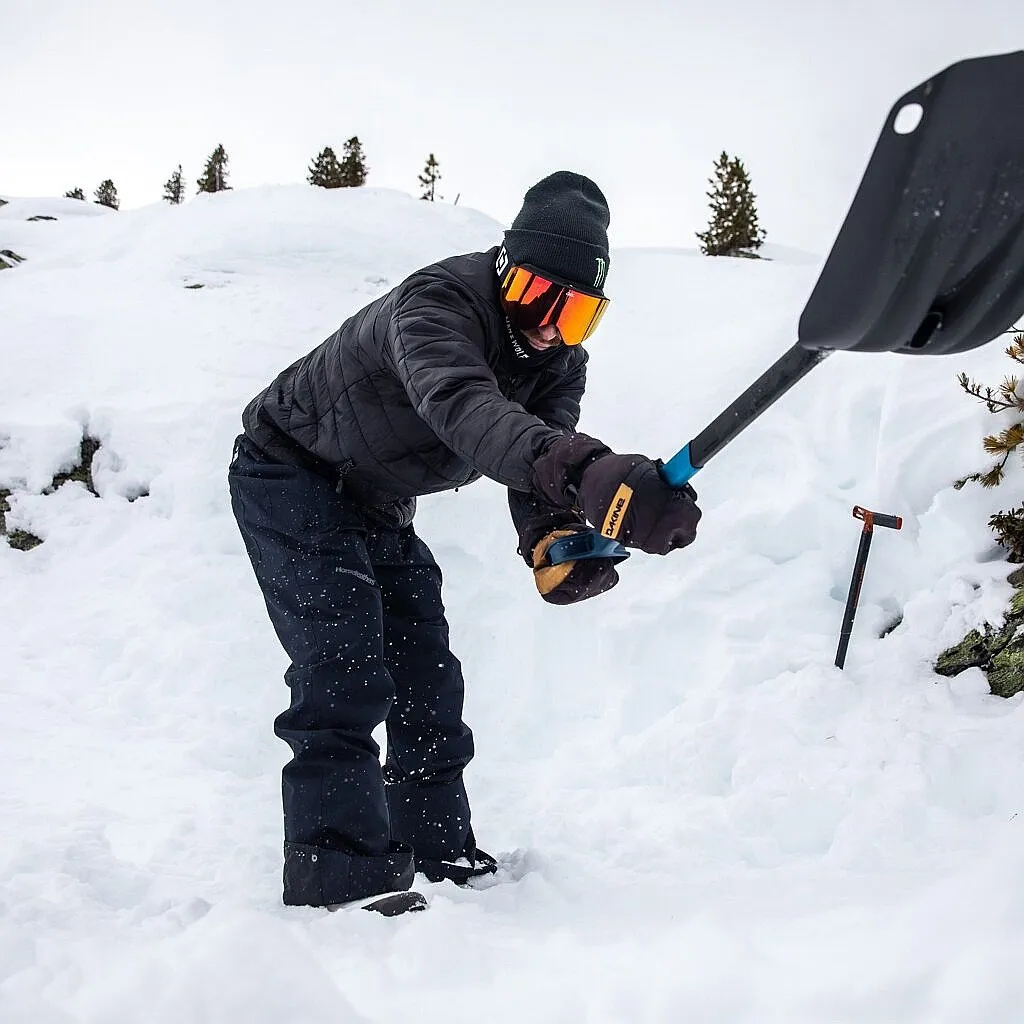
x: 174, y: 188
x: 106, y: 195
x: 353, y: 164
x: 215, y: 174
x: 1007, y: 526
x: 733, y: 229
x: 429, y: 179
x: 325, y: 170
x: 75, y: 193
x: 1005, y: 398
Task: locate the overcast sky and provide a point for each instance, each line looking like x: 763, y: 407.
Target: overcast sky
x: 641, y: 95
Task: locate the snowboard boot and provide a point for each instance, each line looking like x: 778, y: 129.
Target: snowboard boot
x: 458, y: 871
x: 390, y: 905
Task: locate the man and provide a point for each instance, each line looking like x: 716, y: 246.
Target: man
x: 471, y: 367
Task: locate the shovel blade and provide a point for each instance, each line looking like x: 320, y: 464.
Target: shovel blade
x: 930, y: 258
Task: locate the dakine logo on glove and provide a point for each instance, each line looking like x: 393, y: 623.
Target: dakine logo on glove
x: 617, y: 509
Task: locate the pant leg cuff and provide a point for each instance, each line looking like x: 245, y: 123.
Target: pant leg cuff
x: 318, y: 877
x: 433, y: 818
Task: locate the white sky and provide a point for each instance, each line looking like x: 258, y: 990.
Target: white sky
x: 640, y: 95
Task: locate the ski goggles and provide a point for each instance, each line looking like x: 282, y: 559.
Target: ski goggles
x: 532, y: 300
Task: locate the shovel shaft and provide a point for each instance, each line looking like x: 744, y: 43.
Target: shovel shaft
x: 770, y: 386
x: 854, y: 596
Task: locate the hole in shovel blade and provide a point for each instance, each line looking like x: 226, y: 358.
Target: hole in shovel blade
x: 908, y: 118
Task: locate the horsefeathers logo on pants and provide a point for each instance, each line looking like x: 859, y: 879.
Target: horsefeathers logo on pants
x: 616, y: 511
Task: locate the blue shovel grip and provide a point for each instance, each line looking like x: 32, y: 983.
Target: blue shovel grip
x: 678, y: 470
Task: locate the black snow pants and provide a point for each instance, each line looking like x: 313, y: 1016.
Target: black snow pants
x: 357, y: 608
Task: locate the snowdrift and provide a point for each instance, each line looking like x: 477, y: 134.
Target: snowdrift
x: 699, y: 816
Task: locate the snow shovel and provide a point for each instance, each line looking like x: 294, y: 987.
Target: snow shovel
x: 930, y: 258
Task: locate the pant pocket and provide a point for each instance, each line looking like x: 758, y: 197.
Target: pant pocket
x: 252, y: 546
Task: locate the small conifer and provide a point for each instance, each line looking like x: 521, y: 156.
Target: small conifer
x: 106, y: 195
x: 215, y: 174
x: 325, y: 170
x: 75, y: 193
x: 429, y: 179
x: 1005, y: 398
x: 353, y: 164
x: 733, y: 230
x: 174, y: 188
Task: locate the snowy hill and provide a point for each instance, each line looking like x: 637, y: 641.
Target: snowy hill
x: 700, y: 817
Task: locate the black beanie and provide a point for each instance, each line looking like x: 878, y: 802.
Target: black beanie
x: 563, y: 229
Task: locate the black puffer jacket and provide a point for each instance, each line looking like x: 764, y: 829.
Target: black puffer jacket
x: 421, y: 391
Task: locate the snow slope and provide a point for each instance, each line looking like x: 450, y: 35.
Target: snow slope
x: 700, y: 818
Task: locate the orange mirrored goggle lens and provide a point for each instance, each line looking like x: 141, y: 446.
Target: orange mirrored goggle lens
x: 533, y: 301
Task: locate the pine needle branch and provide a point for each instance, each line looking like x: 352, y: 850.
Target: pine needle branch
x: 984, y: 394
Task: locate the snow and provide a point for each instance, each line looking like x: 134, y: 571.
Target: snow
x: 699, y: 817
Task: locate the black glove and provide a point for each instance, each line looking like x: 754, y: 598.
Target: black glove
x: 623, y: 496
x: 569, y: 582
